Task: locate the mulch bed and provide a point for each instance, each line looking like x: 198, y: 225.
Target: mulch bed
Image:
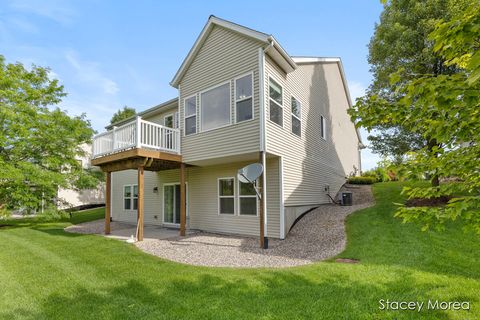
x: 428, y: 202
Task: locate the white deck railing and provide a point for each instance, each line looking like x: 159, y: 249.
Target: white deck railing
x: 137, y: 134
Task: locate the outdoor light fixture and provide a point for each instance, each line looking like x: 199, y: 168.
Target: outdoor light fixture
x: 155, y: 189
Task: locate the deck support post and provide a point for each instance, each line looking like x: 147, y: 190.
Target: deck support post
x: 108, y: 201
x: 140, y: 204
x: 183, y: 200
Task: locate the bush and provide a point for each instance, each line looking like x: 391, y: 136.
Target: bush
x: 52, y: 214
x: 378, y: 173
x: 362, y: 180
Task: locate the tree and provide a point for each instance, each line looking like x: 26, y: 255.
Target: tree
x: 39, y: 144
x: 123, y: 114
x: 400, y: 42
x: 444, y: 108
x: 395, y: 142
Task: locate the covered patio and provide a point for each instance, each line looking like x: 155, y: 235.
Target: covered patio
x: 139, y: 145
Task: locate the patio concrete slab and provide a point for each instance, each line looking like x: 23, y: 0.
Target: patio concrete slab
x: 123, y: 231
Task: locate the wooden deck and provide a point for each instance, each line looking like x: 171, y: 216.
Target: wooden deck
x: 141, y: 159
x: 151, y: 160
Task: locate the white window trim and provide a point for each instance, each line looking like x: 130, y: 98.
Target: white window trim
x: 294, y: 115
x: 239, y: 196
x: 192, y: 115
x: 323, y: 128
x: 270, y: 77
x: 131, y: 197
x: 232, y: 196
x: 163, y: 200
x: 240, y: 100
x: 229, y: 104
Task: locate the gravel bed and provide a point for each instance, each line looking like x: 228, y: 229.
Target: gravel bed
x: 319, y: 235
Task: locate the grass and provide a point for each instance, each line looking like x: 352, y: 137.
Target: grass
x: 46, y: 273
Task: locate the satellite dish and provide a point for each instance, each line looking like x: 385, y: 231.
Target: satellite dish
x: 250, y: 173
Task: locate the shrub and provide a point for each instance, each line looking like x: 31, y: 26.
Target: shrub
x: 52, y: 214
x: 362, y: 180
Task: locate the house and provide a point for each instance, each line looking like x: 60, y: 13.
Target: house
x: 241, y: 99
x: 71, y: 198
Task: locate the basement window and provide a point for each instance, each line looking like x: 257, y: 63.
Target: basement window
x: 247, y: 197
x: 226, y: 196
x: 130, y: 197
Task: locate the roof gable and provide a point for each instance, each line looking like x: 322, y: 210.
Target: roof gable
x: 260, y: 36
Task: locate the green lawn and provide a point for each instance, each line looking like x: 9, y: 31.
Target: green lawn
x: 46, y: 273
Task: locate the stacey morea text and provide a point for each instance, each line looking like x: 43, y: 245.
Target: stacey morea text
x: 386, y: 304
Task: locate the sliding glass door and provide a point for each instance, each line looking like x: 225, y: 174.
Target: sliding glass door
x: 171, y: 200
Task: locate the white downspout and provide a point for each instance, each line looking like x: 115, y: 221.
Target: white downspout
x: 261, y: 67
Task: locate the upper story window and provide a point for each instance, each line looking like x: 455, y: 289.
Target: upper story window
x: 215, y: 107
x: 323, y: 128
x: 130, y: 197
x: 296, y: 117
x: 276, y: 102
x: 226, y: 196
x: 244, y: 98
x: 191, y: 115
x: 168, y: 121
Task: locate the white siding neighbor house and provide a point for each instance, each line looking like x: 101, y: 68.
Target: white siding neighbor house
x: 241, y: 99
x: 70, y: 198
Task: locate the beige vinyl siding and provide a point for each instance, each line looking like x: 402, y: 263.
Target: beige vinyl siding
x: 310, y: 162
x: 152, y: 200
x: 159, y: 117
x: 223, y: 56
x: 202, y: 199
x: 273, y: 197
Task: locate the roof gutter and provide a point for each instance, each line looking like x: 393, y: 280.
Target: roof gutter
x: 274, y: 45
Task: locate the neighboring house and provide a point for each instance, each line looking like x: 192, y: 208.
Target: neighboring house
x: 241, y: 99
x: 68, y: 198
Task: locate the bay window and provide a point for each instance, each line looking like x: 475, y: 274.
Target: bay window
x: 276, y: 102
x: 215, y: 107
x: 190, y: 115
x: 244, y: 98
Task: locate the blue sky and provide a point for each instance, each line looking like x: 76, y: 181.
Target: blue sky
x: 113, y: 53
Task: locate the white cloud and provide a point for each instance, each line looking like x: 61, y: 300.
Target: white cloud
x: 19, y: 23
x: 89, y: 73
x: 55, y: 10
